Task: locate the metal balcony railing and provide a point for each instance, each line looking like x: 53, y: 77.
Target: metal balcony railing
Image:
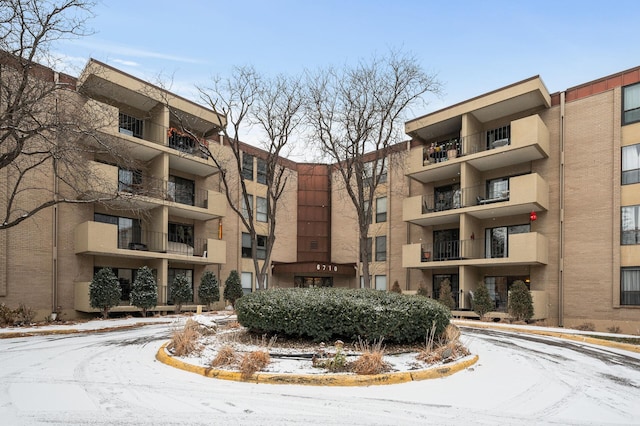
x: 462, y: 197
x: 160, y: 242
x: 164, y: 190
x: 438, y: 152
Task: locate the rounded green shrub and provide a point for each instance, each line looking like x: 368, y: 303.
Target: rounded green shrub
x: 324, y: 314
x: 520, y: 301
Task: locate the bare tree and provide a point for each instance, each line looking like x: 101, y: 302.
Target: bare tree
x: 356, y: 114
x: 274, y: 106
x: 47, y: 133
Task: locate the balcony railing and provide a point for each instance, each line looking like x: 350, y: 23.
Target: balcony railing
x: 459, y: 198
x: 160, y: 242
x: 186, y: 143
x: 526, y: 248
x: 165, y: 190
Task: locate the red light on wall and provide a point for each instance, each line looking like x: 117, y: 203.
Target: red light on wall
x: 533, y: 216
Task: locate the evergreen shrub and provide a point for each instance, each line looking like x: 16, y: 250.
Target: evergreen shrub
x: 181, y: 291
x: 144, y: 292
x: 104, y: 291
x: 445, y: 297
x: 482, y: 302
x: 233, y: 288
x: 324, y: 314
x: 520, y: 302
x: 209, y: 290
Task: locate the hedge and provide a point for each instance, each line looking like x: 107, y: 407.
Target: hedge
x: 322, y: 314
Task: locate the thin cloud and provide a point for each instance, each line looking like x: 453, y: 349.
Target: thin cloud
x: 106, y: 47
x: 126, y: 63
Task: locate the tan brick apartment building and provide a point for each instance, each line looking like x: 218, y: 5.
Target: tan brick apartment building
x: 458, y: 203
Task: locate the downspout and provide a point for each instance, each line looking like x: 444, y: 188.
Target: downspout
x: 407, y: 277
x: 561, y: 236
x: 54, y: 243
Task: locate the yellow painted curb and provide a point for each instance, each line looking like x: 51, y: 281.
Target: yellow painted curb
x: 317, y: 379
x: 568, y: 336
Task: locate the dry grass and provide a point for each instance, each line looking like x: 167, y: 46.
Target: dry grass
x: 185, y: 341
x: 448, y: 349
x: 252, y: 362
x: 372, y: 359
x: 587, y: 326
x: 226, y: 357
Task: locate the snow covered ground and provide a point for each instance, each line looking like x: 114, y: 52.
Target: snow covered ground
x: 112, y: 378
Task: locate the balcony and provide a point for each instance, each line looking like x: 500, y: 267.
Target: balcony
x: 145, y: 192
x: 526, y: 193
x: 523, y: 140
x: 97, y: 238
x: 529, y: 248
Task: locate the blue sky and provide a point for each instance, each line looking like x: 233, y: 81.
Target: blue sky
x: 473, y: 46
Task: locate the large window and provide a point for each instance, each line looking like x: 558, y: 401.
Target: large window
x: 381, y: 282
x: 630, y: 286
x: 381, y: 209
x: 247, y: 166
x: 261, y: 246
x: 180, y: 239
x: 262, y: 214
x: 631, y: 104
x: 499, y: 289
x: 129, y: 230
x: 497, y: 239
x: 381, y: 248
x: 172, y: 273
x: 129, y: 180
x: 498, y: 189
x: 630, y: 164
x: 453, y: 282
x: 130, y: 125
x: 246, y: 279
x: 630, y: 225
x: 181, y: 190
x: 262, y: 171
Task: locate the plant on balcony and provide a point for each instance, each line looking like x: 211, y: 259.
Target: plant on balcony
x: 446, y: 298
x: 209, y: 290
x: 104, y: 291
x: 481, y: 300
x: 233, y: 288
x: 520, y: 302
x: 144, y: 292
x: 181, y: 291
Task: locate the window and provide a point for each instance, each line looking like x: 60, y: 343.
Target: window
x: 129, y: 230
x: 630, y: 286
x: 182, y: 235
x: 245, y: 209
x: 261, y: 209
x: 246, y: 279
x: 630, y: 164
x: 446, y: 244
x: 181, y: 190
x: 381, y: 282
x: 499, y: 137
x: 453, y: 282
x: 129, y: 181
x: 369, y: 250
x: 498, y: 189
x: 247, y: 166
x: 631, y: 104
x: 630, y: 225
x: 261, y: 247
x: 130, y: 125
x: 381, y: 248
x: 381, y: 209
x: 499, y: 289
x: 381, y: 172
x: 172, y: 273
x: 497, y: 239
x: 262, y: 171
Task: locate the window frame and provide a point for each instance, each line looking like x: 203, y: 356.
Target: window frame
x: 262, y: 209
x: 182, y: 190
x: 261, y: 173
x: 381, y: 213
x: 634, y: 298
x: 628, y: 175
x: 243, y: 278
x: 380, y: 282
x: 247, y: 166
x: 635, y: 110
x: 381, y: 248
x: 631, y: 235
x: 508, y: 230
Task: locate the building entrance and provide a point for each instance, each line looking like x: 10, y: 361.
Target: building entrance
x: 311, y: 282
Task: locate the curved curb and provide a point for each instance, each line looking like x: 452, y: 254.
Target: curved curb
x: 568, y: 336
x: 317, y: 379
